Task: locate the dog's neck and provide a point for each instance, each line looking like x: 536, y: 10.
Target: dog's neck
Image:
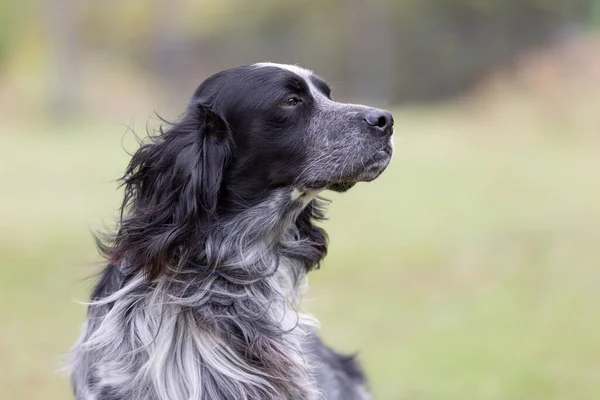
x: 249, y: 245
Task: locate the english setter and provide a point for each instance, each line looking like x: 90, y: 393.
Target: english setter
x: 200, y: 296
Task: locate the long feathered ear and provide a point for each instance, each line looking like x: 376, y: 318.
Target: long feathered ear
x: 172, y: 187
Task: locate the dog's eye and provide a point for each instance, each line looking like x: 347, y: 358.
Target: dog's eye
x: 291, y: 102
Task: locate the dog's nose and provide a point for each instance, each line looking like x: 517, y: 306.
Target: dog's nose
x: 381, y: 120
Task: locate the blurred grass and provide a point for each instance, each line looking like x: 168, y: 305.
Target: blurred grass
x: 468, y: 271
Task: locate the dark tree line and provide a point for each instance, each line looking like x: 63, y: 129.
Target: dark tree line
x: 394, y: 50
x: 386, y: 50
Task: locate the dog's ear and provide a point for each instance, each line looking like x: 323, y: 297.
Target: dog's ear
x: 172, y: 188
x: 215, y: 153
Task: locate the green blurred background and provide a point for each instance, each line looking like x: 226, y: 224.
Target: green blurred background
x: 469, y: 270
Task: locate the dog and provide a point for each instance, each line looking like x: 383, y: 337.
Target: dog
x: 200, y: 296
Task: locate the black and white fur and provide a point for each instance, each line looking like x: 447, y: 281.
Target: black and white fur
x: 200, y: 298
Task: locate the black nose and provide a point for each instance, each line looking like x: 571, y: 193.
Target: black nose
x: 381, y: 120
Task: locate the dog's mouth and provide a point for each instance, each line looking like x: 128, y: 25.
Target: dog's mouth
x: 363, y: 172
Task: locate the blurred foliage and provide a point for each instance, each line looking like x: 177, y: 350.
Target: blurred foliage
x: 8, y: 16
x: 386, y: 50
x: 594, y: 13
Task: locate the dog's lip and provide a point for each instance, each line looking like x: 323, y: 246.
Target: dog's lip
x: 387, y: 149
x: 381, y: 155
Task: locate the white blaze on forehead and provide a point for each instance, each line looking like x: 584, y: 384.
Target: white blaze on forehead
x: 301, y: 72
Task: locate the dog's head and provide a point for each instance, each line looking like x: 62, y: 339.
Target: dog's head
x: 247, y: 131
x: 287, y: 131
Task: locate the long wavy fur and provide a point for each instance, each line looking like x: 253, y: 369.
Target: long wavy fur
x: 196, y: 302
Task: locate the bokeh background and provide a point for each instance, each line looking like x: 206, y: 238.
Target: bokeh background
x: 469, y: 270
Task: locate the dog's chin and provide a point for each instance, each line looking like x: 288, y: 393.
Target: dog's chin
x: 366, y: 173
